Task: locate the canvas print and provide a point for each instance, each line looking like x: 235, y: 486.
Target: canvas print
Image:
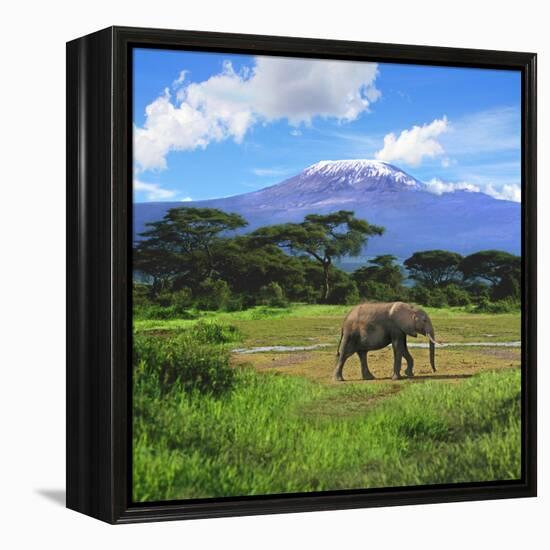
x: 326, y: 275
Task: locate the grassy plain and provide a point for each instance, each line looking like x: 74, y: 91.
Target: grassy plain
x: 285, y: 426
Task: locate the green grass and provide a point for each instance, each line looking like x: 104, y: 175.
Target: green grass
x: 276, y: 434
x: 269, y: 432
x: 309, y: 324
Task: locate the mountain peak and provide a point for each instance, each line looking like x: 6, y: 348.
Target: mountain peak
x: 381, y: 193
x: 357, y: 171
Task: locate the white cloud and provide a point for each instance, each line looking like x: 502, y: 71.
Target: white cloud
x: 228, y: 104
x: 153, y: 191
x: 509, y: 192
x: 438, y: 187
x: 413, y: 145
x: 181, y: 78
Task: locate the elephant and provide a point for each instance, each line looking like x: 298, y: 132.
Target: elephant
x: 372, y: 326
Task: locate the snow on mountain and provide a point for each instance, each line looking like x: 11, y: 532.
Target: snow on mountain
x: 414, y: 218
x: 356, y: 171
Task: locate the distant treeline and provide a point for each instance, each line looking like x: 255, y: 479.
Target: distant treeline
x: 190, y: 259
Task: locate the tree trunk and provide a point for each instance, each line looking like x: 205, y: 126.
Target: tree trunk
x: 326, y: 280
x: 211, y: 269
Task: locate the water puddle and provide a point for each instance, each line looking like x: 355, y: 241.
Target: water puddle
x: 263, y: 349
x: 468, y: 344
x: 286, y: 349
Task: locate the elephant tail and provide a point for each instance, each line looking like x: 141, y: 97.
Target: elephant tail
x: 339, y: 342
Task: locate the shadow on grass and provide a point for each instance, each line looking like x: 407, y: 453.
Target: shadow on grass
x: 442, y: 376
x: 417, y: 378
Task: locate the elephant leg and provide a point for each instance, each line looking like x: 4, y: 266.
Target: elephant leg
x: 397, y: 345
x: 365, y: 372
x: 338, y: 377
x: 346, y: 351
x: 410, y: 361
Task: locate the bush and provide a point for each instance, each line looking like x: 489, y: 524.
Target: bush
x: 450, y: 295
x: 508, y: 289
x: 420, y: 295
x: 437, y: 298
x: 182, y: 299
x: 501, y: 306
x: 213, y: 294
x: 478, y: 290
x: 140, y: 294
x: 305, y: 293
x: 235, y: 303
x: 456, y: 296
x: 161, y: 364
x: 211, y: 332
x: 272, y: 295
x: 381, y: 292
x: 156, y: 311
x: 344, y: 292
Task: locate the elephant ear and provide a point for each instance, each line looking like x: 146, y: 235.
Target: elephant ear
x: 403, y: 315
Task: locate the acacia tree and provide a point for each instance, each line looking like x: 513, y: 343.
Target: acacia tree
x: 501, y: 269
x: 173, y: 246
x: 381, y: 279
x: 433, y: 268
x: 322, y: 237
x: 382, y: 269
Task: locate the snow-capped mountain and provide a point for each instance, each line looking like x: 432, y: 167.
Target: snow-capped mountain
x: 414, y: 218
x: 360, y: 172
x: 335, y: 182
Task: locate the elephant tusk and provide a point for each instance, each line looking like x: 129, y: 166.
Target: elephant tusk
x: 433, y: 341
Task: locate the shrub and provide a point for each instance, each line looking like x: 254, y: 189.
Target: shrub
x: 182, y: 299
x: 161, y: 364
x: 344, y: 292
x: 140, y: 294
x: 211, y: 332
x: 265, y: 312
x: 437, y: 298
x: 235, y: 303
x: 213, y: 294
x: 456, y: 296
x: 272, y: 295
x: 381, y: 292
x: 508, y: 289
x: 155, y: 311
x: 501, y: 306
x: 478, y: 290
x: 305, y: 293
x: 420, y: 295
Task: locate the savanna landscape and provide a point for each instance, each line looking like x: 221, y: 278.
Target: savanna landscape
x: 249, y: 253
x: 234, y: 392
x: 279, y: 423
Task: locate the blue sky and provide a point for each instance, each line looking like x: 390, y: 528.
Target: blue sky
x: 210, y: 125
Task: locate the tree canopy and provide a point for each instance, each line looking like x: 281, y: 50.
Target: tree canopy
x: 322, y: 237
x: 181, y: 235
x: 194, y: 258
x: 495, y: 266
x: 434, y: 268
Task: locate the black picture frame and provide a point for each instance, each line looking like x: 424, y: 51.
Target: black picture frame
x: 99, y: 217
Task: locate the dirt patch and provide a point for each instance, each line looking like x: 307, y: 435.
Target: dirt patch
x: 287, y: 360
x: 453, y: 364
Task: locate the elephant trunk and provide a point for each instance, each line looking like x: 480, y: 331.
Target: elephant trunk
x: 430, y: 334
x: 432, y: 355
